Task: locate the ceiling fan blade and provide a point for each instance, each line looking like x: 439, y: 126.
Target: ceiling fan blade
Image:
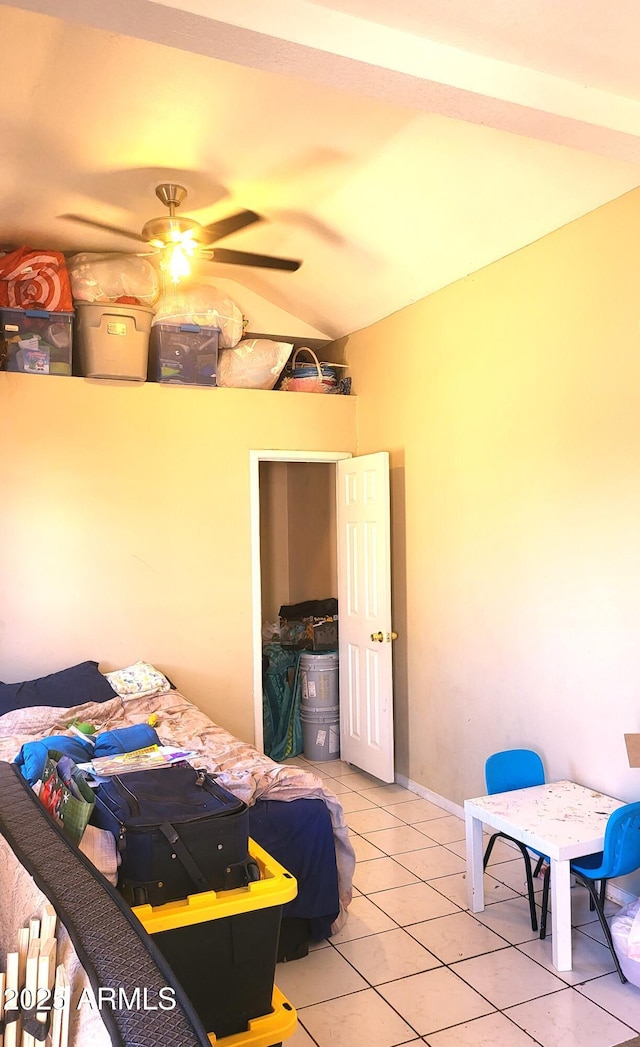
x: 226, y: 226
x: 103, y: 225
x: 263, y: 261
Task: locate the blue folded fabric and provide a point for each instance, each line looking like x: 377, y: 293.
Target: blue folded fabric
x: 32, y: 756
x: 125, y: 740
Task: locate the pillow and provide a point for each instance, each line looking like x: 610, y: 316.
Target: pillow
x: 139, y: 680
x: 74, y: 686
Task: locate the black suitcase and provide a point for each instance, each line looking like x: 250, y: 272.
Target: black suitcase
x: 178, y: 833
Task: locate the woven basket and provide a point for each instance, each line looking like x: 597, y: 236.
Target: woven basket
x: 310, y: 378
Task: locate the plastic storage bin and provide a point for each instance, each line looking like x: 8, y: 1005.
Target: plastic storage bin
x: 112, y: 341
x: 183, y: 354
x: 37, y: 341
x: 267, y: 1031
x: 222, y: 946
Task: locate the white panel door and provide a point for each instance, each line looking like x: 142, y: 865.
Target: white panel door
x: 364, y: 601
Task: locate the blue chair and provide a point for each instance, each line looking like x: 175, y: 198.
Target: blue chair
x: 504, y: 772
x: 621, y: 855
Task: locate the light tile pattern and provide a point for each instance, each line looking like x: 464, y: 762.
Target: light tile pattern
x: 380, y: 874
x: 413, y: 966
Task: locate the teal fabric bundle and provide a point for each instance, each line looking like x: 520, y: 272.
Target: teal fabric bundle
x: 281, y: 702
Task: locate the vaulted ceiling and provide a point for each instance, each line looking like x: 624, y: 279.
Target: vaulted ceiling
x: 393, y: 146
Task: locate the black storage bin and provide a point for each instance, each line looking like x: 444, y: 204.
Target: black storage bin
x: 226, y: 967
x: 223, y: 949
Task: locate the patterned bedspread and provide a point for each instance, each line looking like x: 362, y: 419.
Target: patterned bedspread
x: 240, y: 768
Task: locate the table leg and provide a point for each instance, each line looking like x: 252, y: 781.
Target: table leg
x: 475, y: 872
x: 561, y: 899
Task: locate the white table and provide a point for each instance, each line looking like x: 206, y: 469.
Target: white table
x: 562, y: 820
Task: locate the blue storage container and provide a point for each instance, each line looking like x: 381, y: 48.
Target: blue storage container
x: 37, y: 341
x: 183, y: 354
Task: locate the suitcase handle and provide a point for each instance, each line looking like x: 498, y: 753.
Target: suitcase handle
x: 183, y: 855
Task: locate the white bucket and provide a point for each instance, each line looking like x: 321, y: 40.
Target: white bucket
x: 320, y: 734
x: 319, y: 680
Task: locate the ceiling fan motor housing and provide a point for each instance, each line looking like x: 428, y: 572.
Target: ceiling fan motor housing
x: 171, y: 194
x: 172, y: 229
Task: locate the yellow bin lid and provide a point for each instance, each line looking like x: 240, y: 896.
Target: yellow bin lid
x: 266, y: 1030
x: 275, y: 887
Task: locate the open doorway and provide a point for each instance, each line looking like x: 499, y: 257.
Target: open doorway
x: 294, y: 555
x: 297, y: 534
x: 362, y: 572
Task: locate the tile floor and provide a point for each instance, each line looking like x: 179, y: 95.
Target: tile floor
x: 414, y: 966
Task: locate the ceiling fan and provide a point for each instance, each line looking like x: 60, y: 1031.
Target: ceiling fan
x: 178, y: 238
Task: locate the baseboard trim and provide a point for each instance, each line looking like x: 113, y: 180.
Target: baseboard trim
x: 428, y: 794
x: 619, y: 896
x: 614, y: 893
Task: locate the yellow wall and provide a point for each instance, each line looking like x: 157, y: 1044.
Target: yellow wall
x: 297, y: 534
x: 313, y: 570
x: 510, y: 403
x: 125, y: 526
x: 274, y: 538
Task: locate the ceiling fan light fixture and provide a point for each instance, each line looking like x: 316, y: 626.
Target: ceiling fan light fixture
x: 176, y: 262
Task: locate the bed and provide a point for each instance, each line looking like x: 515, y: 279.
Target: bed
x: 292, y: 815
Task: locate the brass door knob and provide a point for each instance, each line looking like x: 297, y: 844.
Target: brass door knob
x: 377, y: 637
x: 394, y: 636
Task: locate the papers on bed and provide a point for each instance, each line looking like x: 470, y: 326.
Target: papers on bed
x: 139, y: 760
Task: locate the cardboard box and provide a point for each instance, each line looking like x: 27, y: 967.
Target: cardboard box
x: 632, y: 742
